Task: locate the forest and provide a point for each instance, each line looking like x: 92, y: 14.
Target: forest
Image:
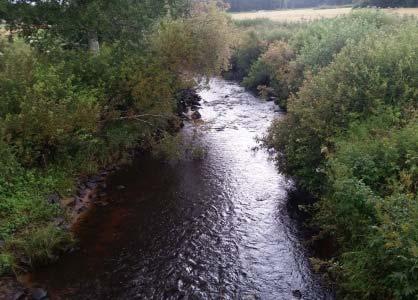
x: 85, y: 85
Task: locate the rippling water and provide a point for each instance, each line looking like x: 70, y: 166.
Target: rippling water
x: 216, y: 228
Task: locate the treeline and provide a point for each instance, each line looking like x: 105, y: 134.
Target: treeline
x: 249, y: 5
x: 387, y: 3
x: 350, y: 137
x: 82, y: 83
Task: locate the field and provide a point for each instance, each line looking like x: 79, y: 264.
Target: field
x: 309, y: 14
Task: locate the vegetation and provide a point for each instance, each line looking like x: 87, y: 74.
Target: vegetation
x: 386, y: 3
x: 349, y: 137
x: 78, y: 93
x: 285, y: 53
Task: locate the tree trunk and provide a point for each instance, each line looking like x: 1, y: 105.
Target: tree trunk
x: 94, y: 46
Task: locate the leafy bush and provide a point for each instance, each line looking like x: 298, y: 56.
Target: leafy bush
x: 304, y: 49
x: 350, y: 137
x: 371, y: 205
x: 318, y: 43
x: 249, y: 49
x: 276, y: 69
x: 379, y: 71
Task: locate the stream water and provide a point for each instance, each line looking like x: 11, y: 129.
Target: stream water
x: 215, y: 228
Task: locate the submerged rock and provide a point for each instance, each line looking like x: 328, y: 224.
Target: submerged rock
x: 196, y: 115
x: 297, y: 294
x: 39, y: 294
x: 20, y: 295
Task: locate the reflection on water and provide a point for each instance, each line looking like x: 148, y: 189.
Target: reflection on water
x: 211, y: 229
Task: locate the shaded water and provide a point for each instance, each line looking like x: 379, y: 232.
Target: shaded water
x: 216, y: 228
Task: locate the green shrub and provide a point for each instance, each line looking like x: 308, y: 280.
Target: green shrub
x: 318, y: 43
x: 278, y: 70
x: 248, y: 51
x: 380, y: 71
x: 371, y: 207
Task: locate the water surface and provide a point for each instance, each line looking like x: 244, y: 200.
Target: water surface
x: 215, y: 228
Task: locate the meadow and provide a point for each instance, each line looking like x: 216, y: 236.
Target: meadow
x: 307, y: 14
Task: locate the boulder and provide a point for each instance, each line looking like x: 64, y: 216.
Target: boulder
x: 297, y: 294
x: 54, y: 198
x: 196, y: 115
x: 39, y: 294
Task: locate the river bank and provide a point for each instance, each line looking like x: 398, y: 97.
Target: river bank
x: 216, y: 226
x: 73, y: 209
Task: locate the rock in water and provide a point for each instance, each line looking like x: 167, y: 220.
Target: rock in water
x: 297, y: 294
x: 39, y: 294
x: 196, y: 115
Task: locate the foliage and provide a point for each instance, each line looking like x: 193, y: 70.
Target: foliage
x: 278, y: 70
x: 255, y: 37
x: 349, y: 89
x: 308, y: 49
x: 318, y: 43
x: 198, y: 45
x: 77, y: 22
x: 386, y: 3
x: 65, y: 113
x: 371, y: 206
x: 350, y: 138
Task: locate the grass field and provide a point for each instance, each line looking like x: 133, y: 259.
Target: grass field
x: 309, y: 14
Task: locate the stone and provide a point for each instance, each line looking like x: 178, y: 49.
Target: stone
x: 54, y: 198
x: 70, y: 201
x: 297, y: 294
x: 81, y: 209
x: 196, y: 115
x: 59, y: 221
x: 39, y: 294
x: 91, y: 184
x: 20, y: 295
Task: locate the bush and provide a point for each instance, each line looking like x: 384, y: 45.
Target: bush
x: 378, y: 72
x: 318, y: 43
x: 276, y: 69
x: 249, y: 49
x: 350, y: 137
x: 370, y: 207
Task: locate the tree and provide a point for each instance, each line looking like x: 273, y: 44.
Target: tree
x: 388, y: 3
x: 87, y: 23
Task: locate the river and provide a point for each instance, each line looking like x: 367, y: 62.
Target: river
x: 214, y: 228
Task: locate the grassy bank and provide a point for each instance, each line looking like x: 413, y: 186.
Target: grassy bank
x: 350, y: 137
